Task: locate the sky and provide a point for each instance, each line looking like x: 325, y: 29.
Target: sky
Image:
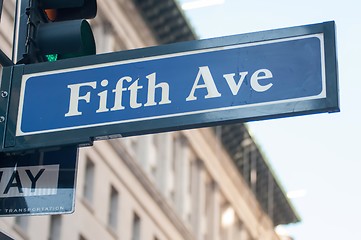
x: 317, y: 155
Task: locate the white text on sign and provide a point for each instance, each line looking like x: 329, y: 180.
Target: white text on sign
x: 203, y: 80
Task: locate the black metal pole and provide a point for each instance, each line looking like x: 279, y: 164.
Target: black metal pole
x: 1, y: 7
x: 4, y: 60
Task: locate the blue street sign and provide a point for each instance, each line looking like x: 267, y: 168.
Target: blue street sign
x: 215, y: 79
x: 38, y: 183
x: 253, y: 76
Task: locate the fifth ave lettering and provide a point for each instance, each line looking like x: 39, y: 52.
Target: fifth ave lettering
x: 212, y: 91
x: 133, y: 89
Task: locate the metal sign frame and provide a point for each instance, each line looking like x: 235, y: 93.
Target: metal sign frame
x: 12, y: 82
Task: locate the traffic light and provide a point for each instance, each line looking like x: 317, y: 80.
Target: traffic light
x: 48, y: 30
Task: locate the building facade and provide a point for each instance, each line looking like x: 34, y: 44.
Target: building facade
x: 201, y: 184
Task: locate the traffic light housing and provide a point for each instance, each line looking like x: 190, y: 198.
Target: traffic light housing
x: 49, y: 30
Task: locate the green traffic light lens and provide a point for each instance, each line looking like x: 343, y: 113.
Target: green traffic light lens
x: 51, y: 57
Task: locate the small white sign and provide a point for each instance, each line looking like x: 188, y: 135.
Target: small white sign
x: 38, y: 183
x: 29, y: 181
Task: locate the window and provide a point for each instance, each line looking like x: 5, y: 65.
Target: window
x: 208, y: 196
x: 113, y: 208
x: 89, y: 181
x: 104, y: 35
x: 22, y: 222
x: 239, y: 230
x: 153, y: 155
x: 191, y: 177
x: 174, y: 175
x: 55, y: 226
x: 21, y: 225
x: 81, y: 237
x: 136, y: 227
x: 132, y: 145
x: 176, y: 145
x: 228, y: 220
x: 190, y: 189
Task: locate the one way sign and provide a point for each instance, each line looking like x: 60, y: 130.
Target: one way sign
x: 38, y: 183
